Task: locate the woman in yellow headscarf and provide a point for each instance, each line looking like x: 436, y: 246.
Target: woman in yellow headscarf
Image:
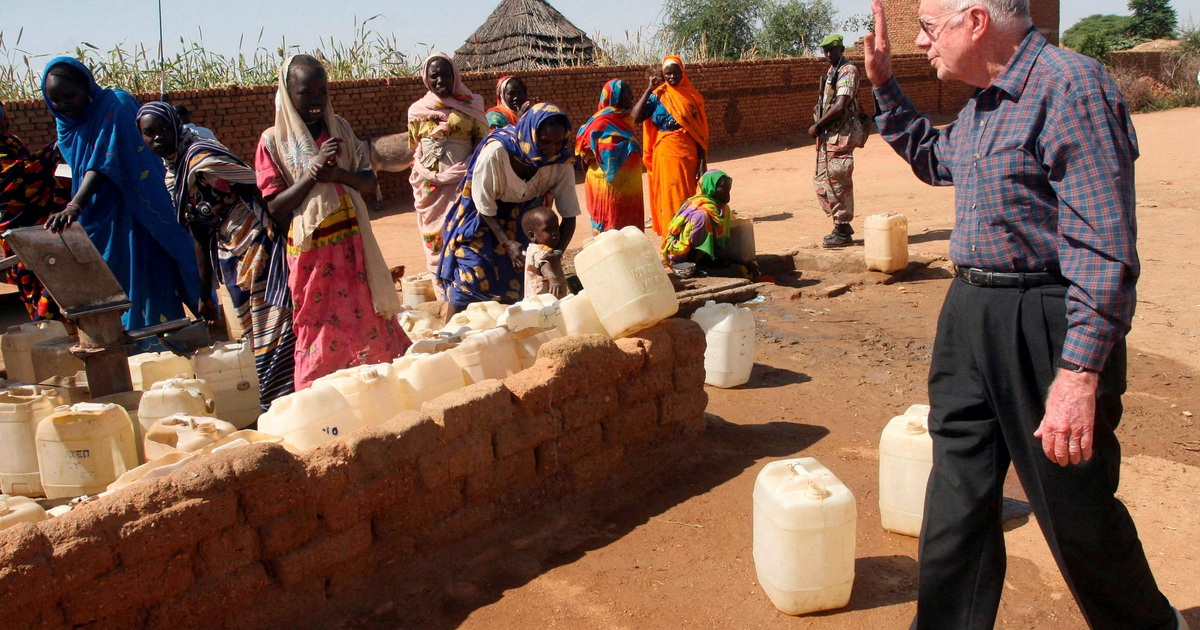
x: 676, y: 139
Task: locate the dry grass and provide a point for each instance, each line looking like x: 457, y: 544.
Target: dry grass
x: 137, y: 69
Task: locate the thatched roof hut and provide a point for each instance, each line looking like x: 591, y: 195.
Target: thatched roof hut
x: 525, y: 35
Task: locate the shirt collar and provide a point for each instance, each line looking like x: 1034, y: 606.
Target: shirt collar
x: 1014, y: 76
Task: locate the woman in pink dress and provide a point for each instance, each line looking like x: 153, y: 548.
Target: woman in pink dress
x: 312, y: 171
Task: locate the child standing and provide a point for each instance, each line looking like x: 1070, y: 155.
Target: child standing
x: 543, y: 271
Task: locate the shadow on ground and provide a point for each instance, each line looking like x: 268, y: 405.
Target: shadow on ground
x: 766, y: 377
x: 929, y: 237
x: 443, y: 590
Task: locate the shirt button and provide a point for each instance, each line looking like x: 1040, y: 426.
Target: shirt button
x: 972, y: 206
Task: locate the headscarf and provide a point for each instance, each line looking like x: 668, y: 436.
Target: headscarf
x: 105, y: 139
x: 433, y: 107
x: 686, y: 106
x: 717, y: 223
x: 292, y: 147
x: 519, y: 141
x: 195, y: 155
x: 610, y: 134
x: 501, y: 107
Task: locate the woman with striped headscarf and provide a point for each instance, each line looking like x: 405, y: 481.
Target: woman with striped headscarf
x: 238, y: 245
x: 609, y: 145
x: 672, y: 114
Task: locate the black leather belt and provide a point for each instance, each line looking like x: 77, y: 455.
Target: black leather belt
x: 1008, y: 279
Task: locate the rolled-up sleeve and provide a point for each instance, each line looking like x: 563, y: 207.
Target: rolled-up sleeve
x: 563, y: 191
x: 485, y: 180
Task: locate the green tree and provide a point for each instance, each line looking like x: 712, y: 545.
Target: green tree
x: 795, y: 27
x: 717, y: 29
x: 1106, y: 28
x: 1152, y: 19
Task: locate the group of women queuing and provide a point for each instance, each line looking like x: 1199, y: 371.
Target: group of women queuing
x: 289, y: 237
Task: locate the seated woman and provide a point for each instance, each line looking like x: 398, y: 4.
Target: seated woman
x: 237, y: 243
x: 29, y: 194
x: 609, y: 145
x: 444, y: 127
x: 699, y: 232
x: 312, y: 171
x: 511, y: 96
x: 120, y: 199
x: 511, y: 172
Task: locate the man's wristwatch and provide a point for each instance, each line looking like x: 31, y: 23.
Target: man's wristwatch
x: 1067, y: 365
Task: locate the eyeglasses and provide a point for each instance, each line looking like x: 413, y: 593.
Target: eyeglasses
x: 927, y: 24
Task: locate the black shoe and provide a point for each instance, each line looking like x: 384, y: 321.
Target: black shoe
x: 841, y: 236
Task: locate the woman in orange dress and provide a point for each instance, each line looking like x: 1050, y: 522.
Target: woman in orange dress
x: 676, y: 139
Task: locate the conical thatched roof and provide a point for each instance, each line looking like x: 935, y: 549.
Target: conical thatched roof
x: 525, y: 35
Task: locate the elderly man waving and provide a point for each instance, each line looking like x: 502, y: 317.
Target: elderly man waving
x: 1029, y: 360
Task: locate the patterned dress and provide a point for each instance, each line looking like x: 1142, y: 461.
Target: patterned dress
x: 332, y: 315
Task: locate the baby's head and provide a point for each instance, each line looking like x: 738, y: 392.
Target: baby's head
x: 540, y: 224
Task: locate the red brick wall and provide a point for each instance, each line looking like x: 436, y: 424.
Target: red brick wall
x: 256, y: 537
x: 902, y: 22
x: 1155, y: 64
x: 748, y: 102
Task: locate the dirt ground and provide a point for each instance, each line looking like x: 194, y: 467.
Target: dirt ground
x: 668, y: 545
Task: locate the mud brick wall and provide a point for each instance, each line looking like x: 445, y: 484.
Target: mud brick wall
x: 1157, y: 64
x: 256, y: 537
x: 902, y: 22
x: 748, y: 102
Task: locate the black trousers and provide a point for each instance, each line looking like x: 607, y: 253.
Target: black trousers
x: 993, y: 362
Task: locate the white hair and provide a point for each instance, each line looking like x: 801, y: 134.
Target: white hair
x: 1007, y: 14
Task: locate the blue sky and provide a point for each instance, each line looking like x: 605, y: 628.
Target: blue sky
x: 54, y: 26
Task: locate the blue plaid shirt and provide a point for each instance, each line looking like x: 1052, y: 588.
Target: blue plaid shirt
x: 1042, y: 162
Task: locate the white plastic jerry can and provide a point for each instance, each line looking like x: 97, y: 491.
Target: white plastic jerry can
x: 423, y: 377
x: 148, y: 368
x: 229, y: 370
x: 574, y: 315
x: 729, y: 333
x: 372, y: 391
x: 417, y: 289
x: 189, y: 396
x: 17, y: 347
x: 478, y: 316
x: 53, y: 358
x: 310, y: 416
x: 624, y: 276
x: 905, y: 459
x: 804, y: 525
x: 83, y: 448
x: 183, y: 433
x: 528, y: 342
x: 15, y: 510
x: 21, y: 409
x: 488, y: 354
x: 525, y: 314
x: 885, y: 244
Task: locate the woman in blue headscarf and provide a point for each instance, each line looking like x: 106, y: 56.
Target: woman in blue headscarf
x: 511, y: 171
x: 119, y: 197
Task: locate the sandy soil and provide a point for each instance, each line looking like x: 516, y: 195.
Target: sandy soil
x: 670, y: 544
